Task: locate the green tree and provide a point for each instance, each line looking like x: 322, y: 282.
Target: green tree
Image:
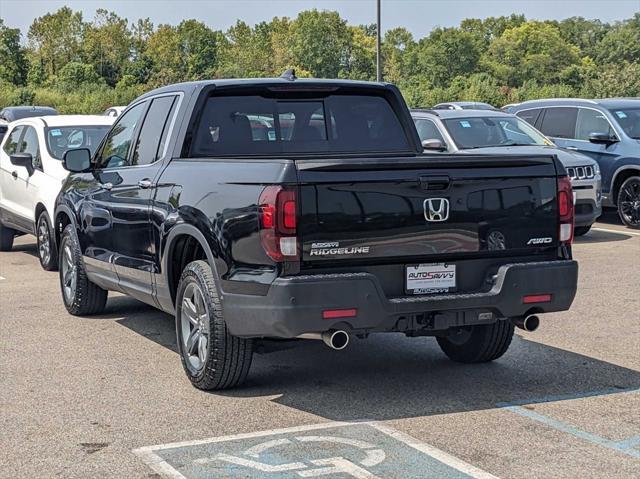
x: 396, y: 43
x: 532, y: 51
x: 320, y: 43
x: 13, y: 62
x: 621, y: 43
x: 75, y: 75
x: 107, y: 45
x: 55, y: 39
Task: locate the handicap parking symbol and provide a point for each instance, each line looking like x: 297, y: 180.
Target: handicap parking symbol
x: 333, y: 450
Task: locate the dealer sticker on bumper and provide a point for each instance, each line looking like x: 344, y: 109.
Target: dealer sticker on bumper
x: 431, y: 278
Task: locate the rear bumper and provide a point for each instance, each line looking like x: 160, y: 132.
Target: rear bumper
x: 587, y: 211
x: 293, y: 306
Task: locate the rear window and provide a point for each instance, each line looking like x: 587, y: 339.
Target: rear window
x: 255, y: 125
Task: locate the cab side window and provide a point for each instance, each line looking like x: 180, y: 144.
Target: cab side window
x: 530, y: 116
x: 117, y: 145
x: 559, y: 122
x: 591, y: 121
x: 30, y: 144
x: 11, y: 145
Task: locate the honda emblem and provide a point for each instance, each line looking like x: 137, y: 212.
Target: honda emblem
x: 436, y: 209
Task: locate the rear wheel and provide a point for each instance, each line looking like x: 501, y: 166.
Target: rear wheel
x: 79, y: 294
x: 629, y: 202
x: 477, y: 344
x: 211, y: 357
x: 47, y: 252
x: 6, y: 238
x: 581, y: 230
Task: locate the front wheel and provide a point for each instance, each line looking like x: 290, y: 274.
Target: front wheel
x: 629, y: 202
x: 79, y: 294
x: 47, y: 252
x: 477, y: 344
x: 212, y: 358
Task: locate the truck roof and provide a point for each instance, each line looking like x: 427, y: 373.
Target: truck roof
x: 264, y: 82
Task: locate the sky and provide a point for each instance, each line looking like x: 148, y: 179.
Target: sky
x: 418, y: 16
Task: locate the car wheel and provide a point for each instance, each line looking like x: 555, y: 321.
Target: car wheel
x: 79, y: 294
x: 212, y: 358
x: 477, y: 344
x: 581, y: 230
x: 47, y: 252
x: 629, y: 202
x: 6, y: 238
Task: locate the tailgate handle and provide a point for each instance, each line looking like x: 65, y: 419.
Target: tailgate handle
x: 434, y: 182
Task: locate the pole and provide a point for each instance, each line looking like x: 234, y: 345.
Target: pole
x: 378, y: 36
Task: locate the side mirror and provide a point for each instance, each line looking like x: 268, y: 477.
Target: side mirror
x: 600, y: 138
x: 77, y: 161
x: 22, y: 159
x: 433, y: 144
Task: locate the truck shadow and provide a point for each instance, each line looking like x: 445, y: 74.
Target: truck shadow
x: 389, y: 376
x: 599, y: 236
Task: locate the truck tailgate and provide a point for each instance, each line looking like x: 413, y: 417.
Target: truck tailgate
x: 396, y: 209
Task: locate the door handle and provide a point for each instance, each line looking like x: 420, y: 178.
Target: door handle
x: 145, y: 183
x: 571, y: 148
x: 14, y: 173
x: 434, y: 182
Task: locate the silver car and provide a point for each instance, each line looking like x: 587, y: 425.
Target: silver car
x: 490, y: 132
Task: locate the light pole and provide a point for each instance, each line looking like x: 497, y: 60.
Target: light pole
x: 378, y: 37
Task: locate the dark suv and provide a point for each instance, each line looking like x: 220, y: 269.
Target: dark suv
x: 608, y: 131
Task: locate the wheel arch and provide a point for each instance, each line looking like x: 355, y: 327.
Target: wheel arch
x: 185, y: 243
x: 63, y: 217
x: 619, y: 177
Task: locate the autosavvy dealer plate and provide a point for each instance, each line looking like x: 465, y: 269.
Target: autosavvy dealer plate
x: 430, y: 278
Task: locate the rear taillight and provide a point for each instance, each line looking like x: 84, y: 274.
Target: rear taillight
x: 278, y: 222
x: 565, y: 210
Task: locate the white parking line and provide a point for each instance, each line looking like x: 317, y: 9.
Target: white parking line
x: 620, y: 232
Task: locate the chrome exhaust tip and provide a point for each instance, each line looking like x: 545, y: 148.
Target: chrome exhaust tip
x: 337, y: 340
x: 527, y: 323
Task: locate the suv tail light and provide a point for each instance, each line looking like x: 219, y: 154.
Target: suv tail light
x: 278, y: 222
x: 565, y: 210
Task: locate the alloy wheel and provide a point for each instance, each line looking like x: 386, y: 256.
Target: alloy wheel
x: 194, y: 324
x: 44, y: 243
x: 69, y: 274
x: 629, y: 202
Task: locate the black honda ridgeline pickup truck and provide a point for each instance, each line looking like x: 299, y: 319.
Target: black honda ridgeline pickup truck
x: 287, y: 208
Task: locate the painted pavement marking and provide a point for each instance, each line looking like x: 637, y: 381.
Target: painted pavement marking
x: 627, y: 446
x: 620, y: 232
x: 363, y: 450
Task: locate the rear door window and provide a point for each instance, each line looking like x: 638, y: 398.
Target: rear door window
x: 150, y: 143
x: 256, y: 125
x: 559, y: 122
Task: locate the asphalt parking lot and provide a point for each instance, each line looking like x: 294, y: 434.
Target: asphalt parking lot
x: 106, y: 396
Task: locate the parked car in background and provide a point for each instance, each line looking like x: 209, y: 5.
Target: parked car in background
x: 495, y: 132
x: 114, y: 111
x: 31, y: 174
x: 13, y: 113
x: 286, y: 208
x: 464, y: 105
x: 606, y: 130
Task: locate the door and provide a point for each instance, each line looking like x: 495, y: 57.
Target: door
x: 559, y: 123
x: 594, y: 121
x: 126, y: 169
x: 19, y: 187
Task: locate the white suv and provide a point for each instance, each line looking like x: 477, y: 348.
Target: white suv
x: 31, y: 174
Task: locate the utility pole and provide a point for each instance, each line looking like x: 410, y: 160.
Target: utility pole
x: 378, y: 37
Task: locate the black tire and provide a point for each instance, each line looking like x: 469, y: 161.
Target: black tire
x: 628, y: 202
x: 581, y: 230
x: 226, y: 359
x: 478, y: 344
x: 83, y: 297
x: 47, y: 251
x: 6, y: 238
